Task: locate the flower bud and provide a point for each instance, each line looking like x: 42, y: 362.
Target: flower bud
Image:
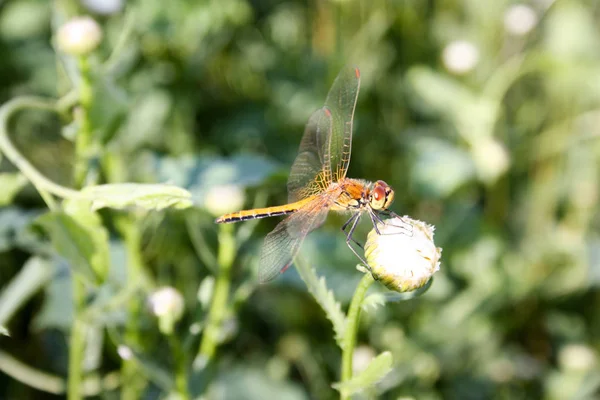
x: 124, y: 352
x: 402, y: 255
x: 167, y: 305
x: 520, y: 19
x: 79, y: 36
x: 460, y: 56
x: 224, y: 199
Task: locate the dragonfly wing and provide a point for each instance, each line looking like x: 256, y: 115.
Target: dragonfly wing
x: 341, y: 100
x: 282, y: 244
x: 311, y: 171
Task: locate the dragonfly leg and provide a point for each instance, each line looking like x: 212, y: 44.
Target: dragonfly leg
x: 349, y: 239
x: 408, y: 228
x: 374, y: 218
x: 352, y: 221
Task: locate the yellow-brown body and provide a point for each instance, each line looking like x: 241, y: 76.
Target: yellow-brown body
x: 347, y: 194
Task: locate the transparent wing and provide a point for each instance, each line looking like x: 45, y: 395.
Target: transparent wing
x: 282, y: 244
x: 311, y: 171
x: 341, y: 100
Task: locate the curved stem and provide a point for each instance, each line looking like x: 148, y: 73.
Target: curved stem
x: 43, y: 185
x: 352, y: 328
x: 225, y: 258
x: 93, y: 384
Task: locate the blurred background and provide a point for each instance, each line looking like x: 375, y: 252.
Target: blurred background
x: 483, y: 116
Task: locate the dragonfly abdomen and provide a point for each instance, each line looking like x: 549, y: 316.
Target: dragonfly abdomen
x: 258, y: 213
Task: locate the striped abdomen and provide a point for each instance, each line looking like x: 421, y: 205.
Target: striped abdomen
x: 260, y: 212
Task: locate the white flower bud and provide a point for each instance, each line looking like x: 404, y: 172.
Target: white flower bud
x: 520, y: 19
x: 491, y: 159
x: 124, y: 352
x: 167, y: 305
x: 361, y: 358
x: 577, y: 357
x: 79, y: 36
x: 460, y: 56
x: 224, y: 199
x: 402, y: 255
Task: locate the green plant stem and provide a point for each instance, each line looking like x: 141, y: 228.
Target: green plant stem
x: 77, y: 342
x: 352, y: 328
x: 43, y: 185
x: 225, y: 257
x: 133, y: 381
x: 84, y: 139
x: 82, y: 144
x: 181, y: 376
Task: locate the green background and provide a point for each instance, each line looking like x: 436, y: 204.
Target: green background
x: 503, y: 158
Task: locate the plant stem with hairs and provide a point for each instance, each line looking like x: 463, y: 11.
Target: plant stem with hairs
x: 352, y: 328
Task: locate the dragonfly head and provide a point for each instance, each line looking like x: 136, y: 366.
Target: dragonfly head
x: 382, y: 196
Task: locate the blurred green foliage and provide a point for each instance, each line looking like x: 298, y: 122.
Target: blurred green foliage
x: 484, y: 117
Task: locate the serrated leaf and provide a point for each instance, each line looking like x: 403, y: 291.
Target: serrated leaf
x: 34, y: 274
x: 325, y: 298
x: 11, y: 183
x: 377, y: 369
x: 147, y: 196
x: 81, y: 239
x: 373, y: 301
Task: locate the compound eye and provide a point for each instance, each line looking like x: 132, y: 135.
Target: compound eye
x: 376, y: 194
x: 377, y: 197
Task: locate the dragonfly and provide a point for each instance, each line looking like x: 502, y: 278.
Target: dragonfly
x: 317, y: 183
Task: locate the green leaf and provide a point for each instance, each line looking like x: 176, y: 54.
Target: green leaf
x: 201, y: 174
x: 156, y: 372
x: 373, y: 301
x: 440, y: 168
x: 252, y: 383
x: 324, y: 297
x: 147, y: 196
x: 440, y: 93
x: 377, y: 369
x: 109, y: 107
x: 79, y: 236
x: 14, y: 229
x: 34, y: 274
x: 11, y: 183
x: 57, y: 310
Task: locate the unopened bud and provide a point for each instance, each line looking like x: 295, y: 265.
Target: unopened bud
x: 402, y: 255
x: 79, y: 36
x: 224, y: 199
x: 167, y: 305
